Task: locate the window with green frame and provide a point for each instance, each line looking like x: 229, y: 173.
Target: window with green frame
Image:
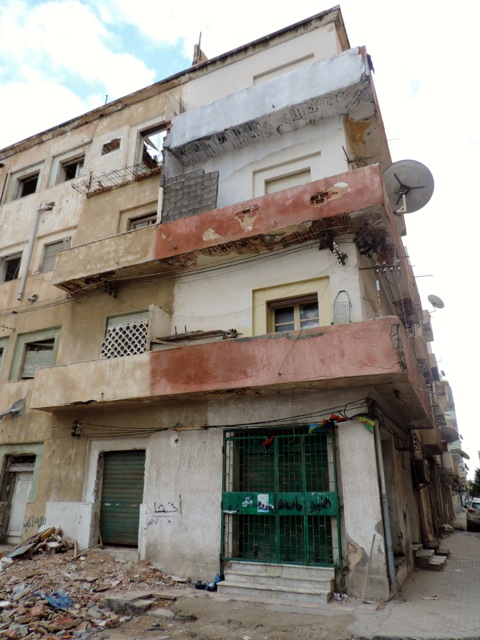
x: 34, y: 351
x: 3, y: 349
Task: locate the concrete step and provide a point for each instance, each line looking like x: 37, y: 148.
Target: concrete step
x: 239, y: 590
x: 437, y: 563
x: 429, y: 560
x: 322, y: 583
x: 281, y: 570
x: 297, y: 583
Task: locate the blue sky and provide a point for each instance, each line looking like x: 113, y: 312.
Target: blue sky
x: 60, y: 58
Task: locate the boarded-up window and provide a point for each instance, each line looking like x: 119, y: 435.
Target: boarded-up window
x: 50, y: 253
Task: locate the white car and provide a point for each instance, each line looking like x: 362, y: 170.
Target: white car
x: 473, y: 515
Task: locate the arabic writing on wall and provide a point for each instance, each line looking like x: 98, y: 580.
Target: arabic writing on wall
x: 162, y: 512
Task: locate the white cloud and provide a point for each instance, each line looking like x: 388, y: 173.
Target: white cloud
x: 28, y: 108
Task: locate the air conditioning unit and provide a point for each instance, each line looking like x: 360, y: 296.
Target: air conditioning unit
x: 421, y: 471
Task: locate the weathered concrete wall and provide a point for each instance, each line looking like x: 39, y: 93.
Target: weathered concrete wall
x: 183, y: 503
x: 362, y: 513
x: 251, y: 69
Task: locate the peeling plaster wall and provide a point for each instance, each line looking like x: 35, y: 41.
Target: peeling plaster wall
x: 318, y: 148
x: 362, y: 513
x: 318, y: 44
x: 223, y: 300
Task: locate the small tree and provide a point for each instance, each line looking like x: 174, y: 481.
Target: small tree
x: 475, y: 486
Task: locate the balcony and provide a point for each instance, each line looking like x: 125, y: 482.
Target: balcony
x: 374, y: 354
x: 331, y: 88
x: 355, y: 199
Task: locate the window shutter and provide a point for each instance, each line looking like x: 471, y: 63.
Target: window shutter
x: 51, y: 251
x: 287, y: 182
x: 36, y: 359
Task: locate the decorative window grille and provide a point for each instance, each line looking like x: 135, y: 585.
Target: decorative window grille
x: 126, y: 336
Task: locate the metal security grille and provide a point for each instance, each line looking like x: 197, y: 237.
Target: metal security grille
x: 279, y: 499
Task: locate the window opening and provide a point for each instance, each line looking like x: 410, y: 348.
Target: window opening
x: 287, y: 182
x: 126, y: 335
x: 37, y: 355
x: 151, y: 146
x: 142, y: 221
x: 72, y: 168
x: 3, y: 348
x: 294, y: 314
x: 50, y: 253
x: 27, y: 185
x: 10, y: 267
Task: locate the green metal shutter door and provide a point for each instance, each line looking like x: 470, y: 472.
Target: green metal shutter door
x: 122, y: 494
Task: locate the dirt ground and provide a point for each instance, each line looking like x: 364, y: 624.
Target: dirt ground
x: 205, y: 618
x: 101, y: 587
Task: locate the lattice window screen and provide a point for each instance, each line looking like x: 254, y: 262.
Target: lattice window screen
x: 125, y: 338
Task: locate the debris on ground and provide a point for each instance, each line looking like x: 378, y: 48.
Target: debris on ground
x: 51, y: 591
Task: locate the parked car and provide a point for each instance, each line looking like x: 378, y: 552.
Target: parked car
x: 473, y: 515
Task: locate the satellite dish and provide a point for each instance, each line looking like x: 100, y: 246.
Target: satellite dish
x: 409, y: 185
x: 436, y: 302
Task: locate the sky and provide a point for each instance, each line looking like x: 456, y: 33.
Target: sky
x: 61, y: 58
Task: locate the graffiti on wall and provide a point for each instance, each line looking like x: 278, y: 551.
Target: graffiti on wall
x: 35, y: 521
x: 162, y: 512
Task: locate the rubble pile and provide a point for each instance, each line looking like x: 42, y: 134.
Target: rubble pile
x: 50, y: 591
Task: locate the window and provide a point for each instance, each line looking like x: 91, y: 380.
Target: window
x: 27, y: 185
x: 287, y: 182
x: 142, y: 221
x: 10, y: 267
x: 286, y: 175
x: 71, y: 168
x: 3, y: 349
x: 34, y: 351
x: 151, y: 144
x: 291, y: 306
x: 37, y: 355
x: 125, y: 335
x: 50, y: 253
x: 294, y: 314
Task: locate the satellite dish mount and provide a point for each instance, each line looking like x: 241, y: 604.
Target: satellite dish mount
x: 436, y: 302
x: 410, y: 183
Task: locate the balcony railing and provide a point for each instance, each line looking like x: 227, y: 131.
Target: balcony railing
x: 93, y: 185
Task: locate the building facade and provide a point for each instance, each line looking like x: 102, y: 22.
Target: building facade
x: 212, y: 345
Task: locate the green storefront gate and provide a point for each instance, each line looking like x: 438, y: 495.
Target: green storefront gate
x: 280, y: 501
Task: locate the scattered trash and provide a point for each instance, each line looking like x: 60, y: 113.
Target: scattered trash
x: 58, y: 600
x: 50, y: 591
x: 209, y: 586
x: 340, y: 597
x: 446, y: 528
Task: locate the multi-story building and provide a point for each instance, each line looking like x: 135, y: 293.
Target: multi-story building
x: 212, y: 345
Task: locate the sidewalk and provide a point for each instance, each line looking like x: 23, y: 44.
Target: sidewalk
x: 434, y: 605
x: 431, y: 604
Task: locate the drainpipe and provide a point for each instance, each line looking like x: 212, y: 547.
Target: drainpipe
x: 31, y: 242
x: 386, y: 514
